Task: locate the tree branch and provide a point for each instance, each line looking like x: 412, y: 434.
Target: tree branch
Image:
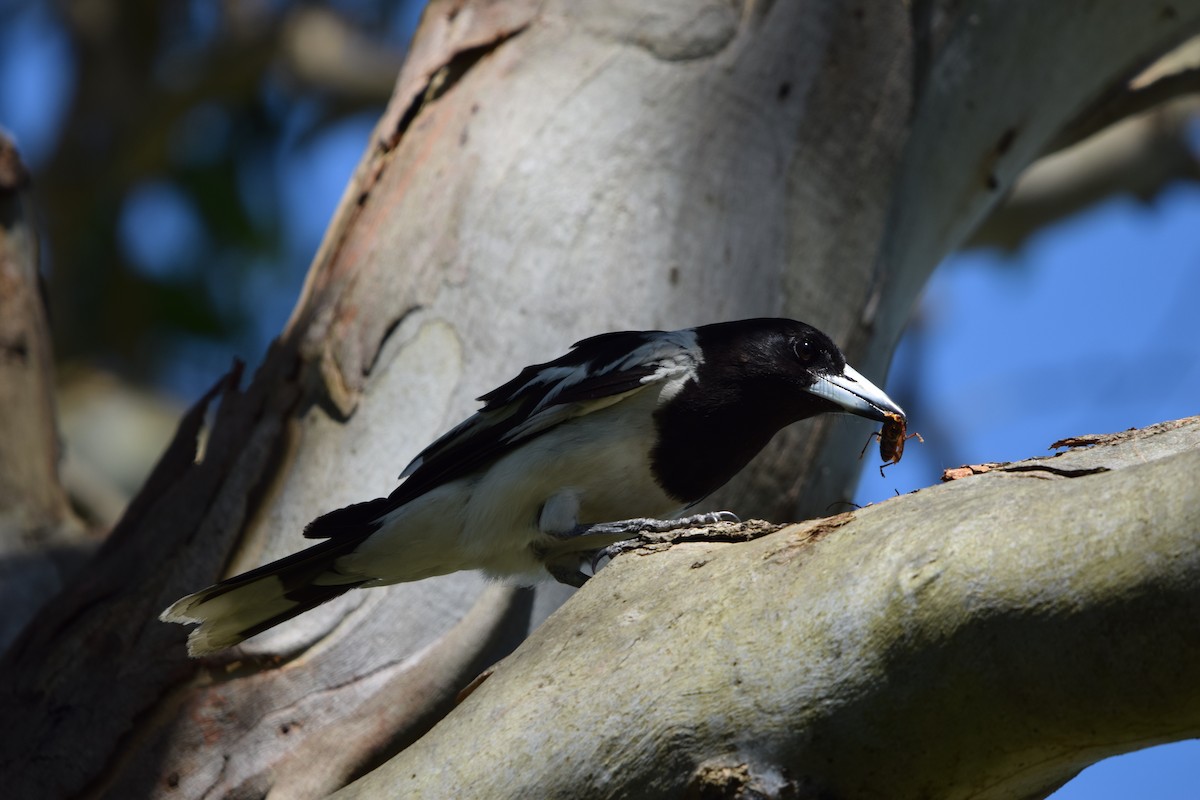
x: 985, y: 638
x: 1133, y: 140
x: 1169, y: 78
x: 1139, y: 156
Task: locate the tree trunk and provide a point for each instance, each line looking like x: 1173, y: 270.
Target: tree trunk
x: 544, y: 171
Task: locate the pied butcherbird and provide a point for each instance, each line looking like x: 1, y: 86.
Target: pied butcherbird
x: 632, y: 426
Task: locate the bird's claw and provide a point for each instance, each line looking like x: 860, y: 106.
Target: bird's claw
x: 639, y: 537
x: 615, y: 538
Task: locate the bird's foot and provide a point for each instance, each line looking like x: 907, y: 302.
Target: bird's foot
x: 640, y: 537
x: 630, y: 529
x: 602, y: 540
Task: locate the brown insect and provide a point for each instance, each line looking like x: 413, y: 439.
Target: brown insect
x: 891, y: 440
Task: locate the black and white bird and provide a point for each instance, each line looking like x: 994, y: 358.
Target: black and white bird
x: 634, y: 424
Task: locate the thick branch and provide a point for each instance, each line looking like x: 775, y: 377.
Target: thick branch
x: 985, y: 638
x: 1133, y: 140
x: 1140, y: 156
x: 1171, y: 77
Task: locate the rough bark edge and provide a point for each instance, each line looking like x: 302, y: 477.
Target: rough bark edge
x: 182, y: 521
x: 42, y: 543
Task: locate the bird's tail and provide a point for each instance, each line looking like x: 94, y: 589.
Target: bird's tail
x: 237, y: 608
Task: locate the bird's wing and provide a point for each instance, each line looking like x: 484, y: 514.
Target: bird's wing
x: 597, y: 372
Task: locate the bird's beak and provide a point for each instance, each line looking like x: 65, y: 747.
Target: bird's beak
x: 856, y: 395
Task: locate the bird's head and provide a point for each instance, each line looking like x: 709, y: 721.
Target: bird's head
x: 793, y: 368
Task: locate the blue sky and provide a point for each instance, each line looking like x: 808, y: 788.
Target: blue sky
x: 1087, y: 329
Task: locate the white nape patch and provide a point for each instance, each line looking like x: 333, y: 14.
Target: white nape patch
x: 679, y: 357
x: 673, y: 378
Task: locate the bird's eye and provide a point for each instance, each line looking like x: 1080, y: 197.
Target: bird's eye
x: 805, y: 350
